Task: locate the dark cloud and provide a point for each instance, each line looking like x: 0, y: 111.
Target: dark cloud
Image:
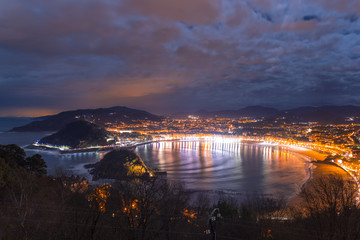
x: 311, y: 17
x: 352, y: 18
x: 169, y: 55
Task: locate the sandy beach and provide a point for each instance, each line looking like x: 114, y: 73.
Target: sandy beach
x: 319, y: 169
x: 316, y: 156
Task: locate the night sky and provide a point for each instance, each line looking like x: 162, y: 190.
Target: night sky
x: 177, y: 55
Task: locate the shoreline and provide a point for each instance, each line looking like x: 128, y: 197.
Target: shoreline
x: 313, y: 171
x: 111, y: 147
x: 318, y: 169
x: 314, y: 158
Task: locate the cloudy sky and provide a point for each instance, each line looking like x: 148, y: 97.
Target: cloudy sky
x: 177, y: 55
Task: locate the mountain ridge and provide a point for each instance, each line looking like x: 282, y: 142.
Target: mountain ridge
x: 321, y: 114
x: 99, y: 115
x: 116, y: 114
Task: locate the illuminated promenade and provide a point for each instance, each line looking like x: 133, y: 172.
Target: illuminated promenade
x: 229, y: 143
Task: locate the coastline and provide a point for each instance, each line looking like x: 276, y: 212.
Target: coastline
x: 318, y: 169
x: 311, y: 153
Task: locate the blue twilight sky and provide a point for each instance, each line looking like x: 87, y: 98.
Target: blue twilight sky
x: 177, y: 55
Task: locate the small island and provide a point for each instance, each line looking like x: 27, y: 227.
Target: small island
x: 120, y: 164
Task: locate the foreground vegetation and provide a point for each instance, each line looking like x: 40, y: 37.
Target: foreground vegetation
x: 37, y: 206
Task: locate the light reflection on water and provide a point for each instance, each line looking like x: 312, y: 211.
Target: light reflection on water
x: 200, y: 165
x: 238, y: 167
x: 68, y: 163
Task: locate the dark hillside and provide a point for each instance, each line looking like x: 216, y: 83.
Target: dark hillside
x: 100, y: 116
x: 78, y: 134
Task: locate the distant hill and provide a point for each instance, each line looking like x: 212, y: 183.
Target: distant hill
x: 118, y: 164
x: 78, y: 134
x: 100, y: 116
x: 323, y: 114
x: 7, y: 123
x: 251, y: 111
x: 309, y: 114
x: 343, y: 111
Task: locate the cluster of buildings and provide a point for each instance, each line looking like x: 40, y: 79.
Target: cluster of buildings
x: 190, y: 125
x: 341, y: 139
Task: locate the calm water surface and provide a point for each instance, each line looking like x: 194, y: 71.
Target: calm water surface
x: 70, y: 163
x: 200, y: 165
x: 235, y: 167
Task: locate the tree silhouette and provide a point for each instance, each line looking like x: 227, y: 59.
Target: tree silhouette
x: 329, y: 208
x: 36, y: 164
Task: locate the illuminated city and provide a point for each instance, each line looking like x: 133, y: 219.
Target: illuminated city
x: 179, y: 119
x: 339, y: 141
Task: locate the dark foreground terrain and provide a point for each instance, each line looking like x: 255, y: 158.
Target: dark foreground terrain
x: 37, y: 206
